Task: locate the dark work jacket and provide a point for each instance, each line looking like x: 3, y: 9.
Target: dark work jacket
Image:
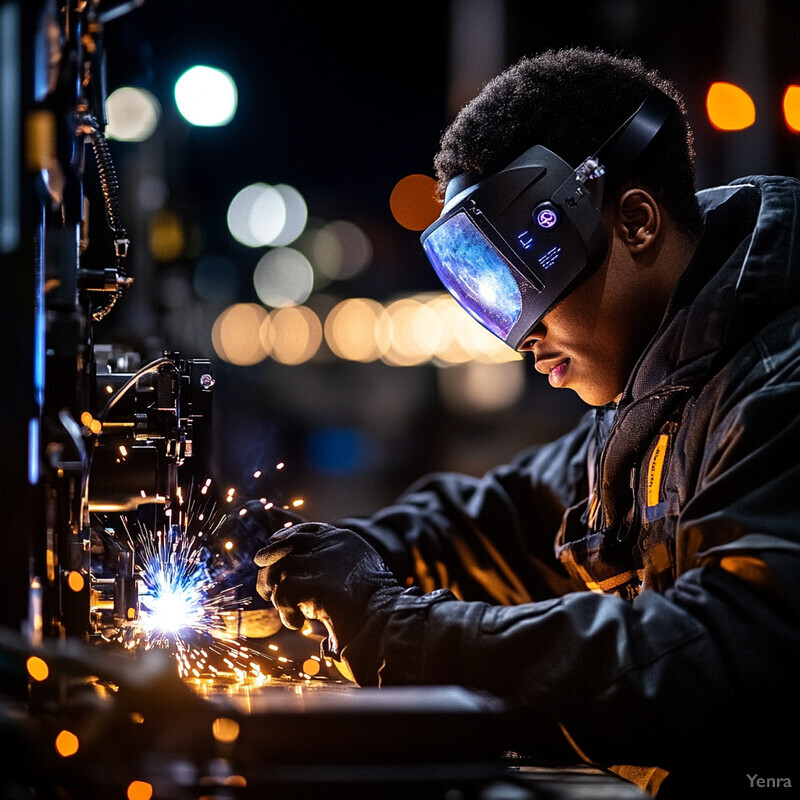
x: 636, y: 590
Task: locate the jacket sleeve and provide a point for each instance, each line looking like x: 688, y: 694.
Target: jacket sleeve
x: 703, y: 673
x: 488, y: 538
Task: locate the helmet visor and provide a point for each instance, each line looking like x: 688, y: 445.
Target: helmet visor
x: 475, y: 273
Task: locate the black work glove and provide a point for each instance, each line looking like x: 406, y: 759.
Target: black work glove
x: 318, y: 571
x: 229, y: 552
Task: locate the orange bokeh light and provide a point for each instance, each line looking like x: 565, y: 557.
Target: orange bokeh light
x: 37, y: 668
x: 139, y: 790
x: 66, y: 744
x: 729, y: 107
x: 413, y: 202
x: 75, y: 581
x: 791, y: 107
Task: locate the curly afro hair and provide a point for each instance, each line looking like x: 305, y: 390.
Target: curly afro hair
x: 571, y: 101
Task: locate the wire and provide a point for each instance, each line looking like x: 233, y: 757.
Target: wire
x: 109, y: 185
x: 108, y: 182
x: 112, y: 401
x: 147, y: 368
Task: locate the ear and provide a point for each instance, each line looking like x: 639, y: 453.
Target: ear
x: 638, y: 220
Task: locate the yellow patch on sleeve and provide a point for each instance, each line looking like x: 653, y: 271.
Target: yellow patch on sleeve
x: 655, y: 468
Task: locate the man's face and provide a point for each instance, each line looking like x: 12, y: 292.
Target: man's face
x: 591, y: 340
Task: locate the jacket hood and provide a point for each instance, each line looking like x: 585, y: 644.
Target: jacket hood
x: 734, y: 284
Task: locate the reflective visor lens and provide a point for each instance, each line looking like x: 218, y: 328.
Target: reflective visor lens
x: 475, y: 273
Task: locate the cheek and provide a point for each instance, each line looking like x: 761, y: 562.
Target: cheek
x: 599, y: 376
x: 601, y: 358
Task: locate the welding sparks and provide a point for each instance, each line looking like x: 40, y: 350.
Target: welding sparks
x: 180, y: 614
x: 173, y: 607
x: 177, y: 584
x: 186, y: 603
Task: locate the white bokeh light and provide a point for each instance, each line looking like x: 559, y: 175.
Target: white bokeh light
x: 283, y: 277
x: 296, y: 215
x: 267, y: 215
x: 206, y: 96
x: 262, y: 215
x: 239, y: 211
x: 133, y: 114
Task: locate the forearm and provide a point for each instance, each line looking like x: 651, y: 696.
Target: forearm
x: 638, y: 683
x: 488, y: 538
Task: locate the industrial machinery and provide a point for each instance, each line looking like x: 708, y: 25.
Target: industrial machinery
x: 89, y: 428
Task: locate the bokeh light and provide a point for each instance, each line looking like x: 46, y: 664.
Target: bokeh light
x: 283, y: 277
x: 454, y: 347
x: 139, y: 790
x: 239, y: 210
x: 292, y: 335
x: 296, y: 215
x: 413, y: 202
x: 37, y: 668
x: 225, y: 729
x: 167, y: 238
x: 267, y: 216
x: 729, y: 107
x: 311, y: 666
x: 340, y: 250
x: 235, y: 334
x: 133, y: 114
x: 206, y: 96
x: 791, y: 107
x: 350, y: 329
x: 406, y: 332
x: 399, y: 329
x: 66, y: 744
x: 75, y: 581
x: 260, y: 215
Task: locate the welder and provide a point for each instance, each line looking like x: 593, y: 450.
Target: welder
x: 632, y: 588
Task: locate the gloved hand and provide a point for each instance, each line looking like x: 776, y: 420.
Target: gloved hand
x: 318, y: 571
x: 228, y: 553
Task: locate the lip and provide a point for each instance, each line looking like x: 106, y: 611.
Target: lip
x: 556, y: 370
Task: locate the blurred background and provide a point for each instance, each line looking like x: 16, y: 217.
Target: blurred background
x: 276, y: 167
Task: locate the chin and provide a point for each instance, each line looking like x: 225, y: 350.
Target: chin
x: 595, y: 396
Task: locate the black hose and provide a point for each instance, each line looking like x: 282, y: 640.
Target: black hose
x: 109, y: 185
x: 108, y: 182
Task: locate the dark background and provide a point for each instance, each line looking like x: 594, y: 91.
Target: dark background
x: 342, y: 100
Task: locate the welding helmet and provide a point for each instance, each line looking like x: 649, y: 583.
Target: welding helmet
x: 511, y: 246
